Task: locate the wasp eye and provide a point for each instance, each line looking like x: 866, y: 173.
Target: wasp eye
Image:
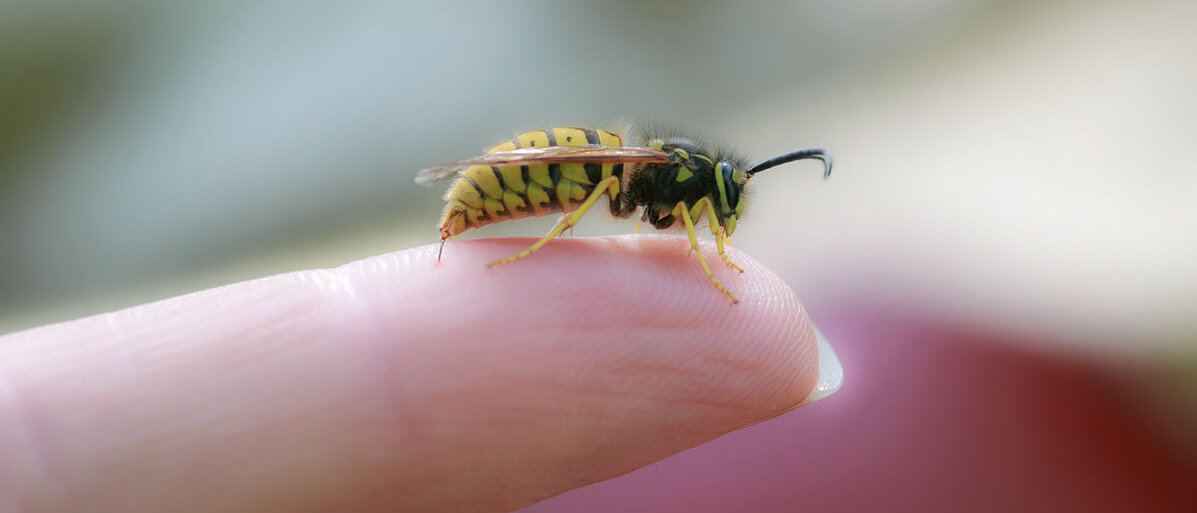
x: 731, y: 189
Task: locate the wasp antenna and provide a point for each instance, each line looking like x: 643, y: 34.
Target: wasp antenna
x: 813, y: 153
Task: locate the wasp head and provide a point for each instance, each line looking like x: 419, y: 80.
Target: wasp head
x: 731, y: 181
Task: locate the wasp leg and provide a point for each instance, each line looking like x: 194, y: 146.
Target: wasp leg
x: 681, y: 209
x: 717, y: 229
x: 567, y: 221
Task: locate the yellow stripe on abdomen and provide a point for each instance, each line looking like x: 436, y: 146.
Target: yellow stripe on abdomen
x: 487, y: 180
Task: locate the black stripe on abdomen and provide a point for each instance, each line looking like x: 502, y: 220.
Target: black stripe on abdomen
x: 498, y: 176
x: 481, y: 194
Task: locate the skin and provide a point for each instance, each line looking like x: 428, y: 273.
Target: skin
x: 399, y: 384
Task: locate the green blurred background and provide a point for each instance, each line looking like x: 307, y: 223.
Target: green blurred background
x: 1011, y: 163
x: 151, y: 149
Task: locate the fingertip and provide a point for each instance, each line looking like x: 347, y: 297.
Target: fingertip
x: 624, y: 295
x: 459, y: 386
x: 620, y: 339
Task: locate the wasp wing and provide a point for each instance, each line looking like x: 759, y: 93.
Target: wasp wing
x: 547, y: 155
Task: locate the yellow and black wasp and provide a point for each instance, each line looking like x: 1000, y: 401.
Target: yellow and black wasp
x: 567, y: 169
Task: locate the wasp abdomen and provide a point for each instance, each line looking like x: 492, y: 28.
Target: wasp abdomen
x: 482, y: 195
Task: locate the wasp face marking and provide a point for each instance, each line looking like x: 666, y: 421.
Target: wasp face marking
x: 728, y: 189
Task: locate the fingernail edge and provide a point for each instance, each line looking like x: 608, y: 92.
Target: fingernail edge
x: 831, y: 373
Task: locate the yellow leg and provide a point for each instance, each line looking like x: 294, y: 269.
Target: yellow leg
x: 567, y: 221
x: 716, y: 229
x: 638, y: 223
x: 681, y: 210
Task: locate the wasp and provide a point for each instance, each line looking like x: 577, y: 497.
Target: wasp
x: 568, y: 169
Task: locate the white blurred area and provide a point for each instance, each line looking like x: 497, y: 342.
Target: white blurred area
x: 1017, y: 165
x: 1034, y: 174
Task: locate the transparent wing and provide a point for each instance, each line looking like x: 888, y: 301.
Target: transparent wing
x: 547, y: 155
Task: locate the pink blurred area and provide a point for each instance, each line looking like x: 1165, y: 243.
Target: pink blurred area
x: 929, y: 419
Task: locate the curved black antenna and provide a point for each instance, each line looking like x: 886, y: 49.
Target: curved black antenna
x: 813, y: 153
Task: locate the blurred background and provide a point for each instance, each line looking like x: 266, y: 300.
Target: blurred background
x: 1005, y: 257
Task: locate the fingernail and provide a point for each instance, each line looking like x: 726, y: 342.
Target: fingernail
x: 831, y: 373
